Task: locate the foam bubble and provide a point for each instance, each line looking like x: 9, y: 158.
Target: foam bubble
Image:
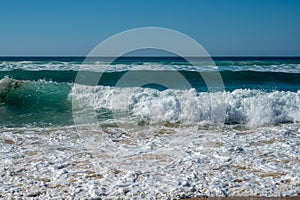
x: 250, y: 107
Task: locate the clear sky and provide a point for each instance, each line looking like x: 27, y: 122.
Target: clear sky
x: 222, y: 27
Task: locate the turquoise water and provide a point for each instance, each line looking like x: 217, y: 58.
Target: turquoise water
x: 39, y: 92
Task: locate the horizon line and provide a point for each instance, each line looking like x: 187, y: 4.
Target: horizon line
x: 146, y: 56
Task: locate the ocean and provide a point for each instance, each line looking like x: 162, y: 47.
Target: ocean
x: 118, y: 138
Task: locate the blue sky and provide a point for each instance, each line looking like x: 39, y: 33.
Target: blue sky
x: 222, y: 27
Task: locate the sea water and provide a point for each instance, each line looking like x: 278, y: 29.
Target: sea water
x: 149, y: 140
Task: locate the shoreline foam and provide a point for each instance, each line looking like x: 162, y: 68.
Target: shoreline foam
x: 57, y: 163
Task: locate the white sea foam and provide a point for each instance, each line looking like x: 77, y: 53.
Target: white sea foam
x: 98, y: 66
x: 250, y: 107
x: 6, y: 84
x: 171, y: 165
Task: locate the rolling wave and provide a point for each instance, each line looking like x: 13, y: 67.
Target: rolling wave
x: 27, y: 103
x: 43, y: 103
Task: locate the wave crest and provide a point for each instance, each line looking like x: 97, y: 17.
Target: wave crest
x: 252, y: 108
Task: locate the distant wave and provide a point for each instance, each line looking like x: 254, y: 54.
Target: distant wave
x: 266, y: 81
x: 254, y: 65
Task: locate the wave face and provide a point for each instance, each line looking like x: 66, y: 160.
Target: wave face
x: 258, y: 93
x: 37, y: 103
